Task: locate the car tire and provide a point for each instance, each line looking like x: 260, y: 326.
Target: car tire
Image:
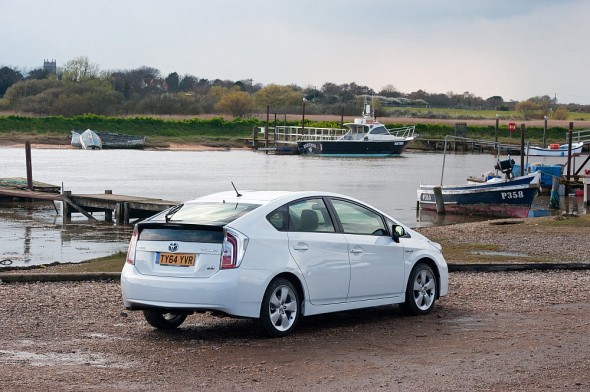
x: 162, y: 319
x: 280, y: 308
x: 421, y: 290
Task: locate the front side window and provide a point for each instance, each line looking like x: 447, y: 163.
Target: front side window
x: 380, y: 131
x: 356, y: 219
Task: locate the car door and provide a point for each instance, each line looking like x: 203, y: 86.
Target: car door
x: 320, y: 252
x: 376, y: 260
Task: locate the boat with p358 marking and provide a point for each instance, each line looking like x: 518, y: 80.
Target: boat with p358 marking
x: 497, y: 197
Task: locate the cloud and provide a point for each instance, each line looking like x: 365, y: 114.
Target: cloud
x: 516, y: 49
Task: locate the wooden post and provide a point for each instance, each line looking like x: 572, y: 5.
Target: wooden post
x: 108, y: 215
x: 438, y: 197
x: 122, y: 213
x: 67, y: 212
x: 29, y: 165
x: 586, y: 183
x: 545, y: 132
x: 569, y: 155
x: 522, y: 128
x: 496, y: 129
x: 266, y: 129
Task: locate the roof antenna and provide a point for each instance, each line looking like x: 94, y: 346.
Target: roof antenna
x: 238, y: 194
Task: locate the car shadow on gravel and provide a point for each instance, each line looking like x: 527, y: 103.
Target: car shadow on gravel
x: 206, y: 328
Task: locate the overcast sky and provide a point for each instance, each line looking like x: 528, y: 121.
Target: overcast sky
x: 513, y: 48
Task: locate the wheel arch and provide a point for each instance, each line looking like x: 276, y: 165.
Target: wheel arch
x: 429, y: 262
x: 295, y: 281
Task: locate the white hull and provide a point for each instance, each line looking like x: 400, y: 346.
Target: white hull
x: 89, y: 140
x: 562, y: 151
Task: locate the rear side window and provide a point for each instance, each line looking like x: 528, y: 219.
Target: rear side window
x: 181, y: 235
x: 309, y: 215
x: 217, y: 214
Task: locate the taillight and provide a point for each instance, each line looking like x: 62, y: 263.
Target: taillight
x: 131, y: 249
x: 233, y: 249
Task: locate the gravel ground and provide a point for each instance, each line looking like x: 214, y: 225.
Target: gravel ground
x: 525, y: 331
x: 520, y: 240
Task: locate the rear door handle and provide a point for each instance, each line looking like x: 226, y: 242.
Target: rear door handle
x: 301, y: 246
x: 356, y: 250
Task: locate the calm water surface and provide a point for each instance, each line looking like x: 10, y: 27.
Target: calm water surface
x: 36, y: 235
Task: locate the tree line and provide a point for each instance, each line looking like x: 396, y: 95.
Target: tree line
x: 80, y: 87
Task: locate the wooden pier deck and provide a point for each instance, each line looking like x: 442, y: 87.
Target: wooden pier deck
x: 124, y: 207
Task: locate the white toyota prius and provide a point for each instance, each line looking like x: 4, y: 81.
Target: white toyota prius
x: 277, y: 256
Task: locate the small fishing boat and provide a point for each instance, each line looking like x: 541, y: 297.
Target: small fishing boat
x: 89, y: 140
x: 497, y: 197
x: 112, y: 140
x: 365, y: 137
x: 554, y: 150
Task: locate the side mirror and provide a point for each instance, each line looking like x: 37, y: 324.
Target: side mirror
x: 397, y: 232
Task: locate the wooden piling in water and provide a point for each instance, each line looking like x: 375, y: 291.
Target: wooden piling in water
x: 438, y: 197
x: 108, y: 215
x: 29, y: 164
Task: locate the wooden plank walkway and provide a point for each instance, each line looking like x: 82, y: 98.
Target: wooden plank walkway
x: 124, y: 207
x: 27, y: 194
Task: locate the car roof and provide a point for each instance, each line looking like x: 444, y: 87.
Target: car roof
x: 258, y: 197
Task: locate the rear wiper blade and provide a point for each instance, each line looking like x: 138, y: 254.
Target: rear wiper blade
x: 172, y: 211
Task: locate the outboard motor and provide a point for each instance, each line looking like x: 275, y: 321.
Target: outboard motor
x: 506, y: 167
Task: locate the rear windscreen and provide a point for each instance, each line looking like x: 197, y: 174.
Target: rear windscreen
x: 181, y: 235
x: 217, y: 214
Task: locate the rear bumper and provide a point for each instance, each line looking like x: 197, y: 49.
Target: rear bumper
x: 237, y: 292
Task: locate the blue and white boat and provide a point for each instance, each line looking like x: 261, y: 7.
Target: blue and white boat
x: 112, y: 140
x: 498, y: 197
x: 554, y: 150
x: 89, y: 140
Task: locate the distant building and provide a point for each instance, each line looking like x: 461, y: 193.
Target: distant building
x: 50, y: 67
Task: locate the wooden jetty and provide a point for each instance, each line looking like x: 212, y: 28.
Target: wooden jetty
x: 124, y: 207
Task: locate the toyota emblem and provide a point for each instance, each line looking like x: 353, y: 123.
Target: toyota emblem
x: 173, y: 247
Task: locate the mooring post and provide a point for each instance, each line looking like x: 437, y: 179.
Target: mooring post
x: 438, y: 197
x: 545, y: 132
x: 122, y: 213
x: 266, y: 129
x: 496, y: 129
x: 522, y: 128
x: 67, y: 211
x: 29, y: 165
x: 586, y: 191
x: 108, y: 215
x: 569, y: 156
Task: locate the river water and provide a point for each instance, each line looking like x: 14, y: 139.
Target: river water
x: 35, y: 234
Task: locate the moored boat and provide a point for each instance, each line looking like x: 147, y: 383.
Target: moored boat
x: 112, y: 140
x: 89, y: 140
x: 508, y: 197
x: 365, y: 137
x: 554, y: 150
